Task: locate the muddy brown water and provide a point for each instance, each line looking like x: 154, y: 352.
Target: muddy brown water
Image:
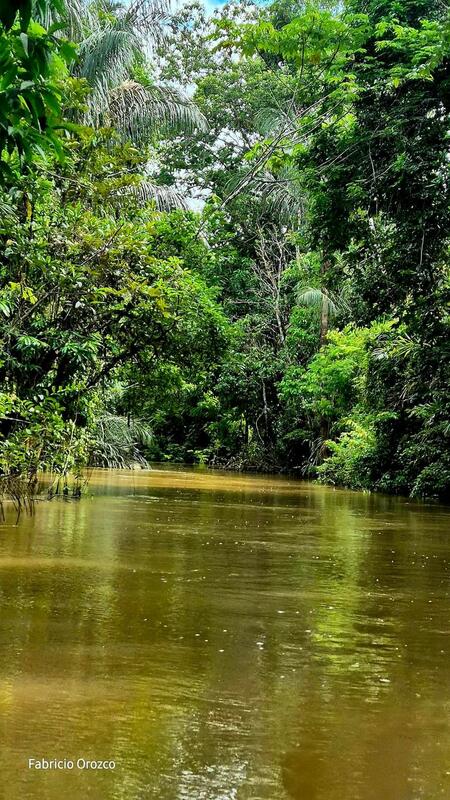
x: 225, y: 637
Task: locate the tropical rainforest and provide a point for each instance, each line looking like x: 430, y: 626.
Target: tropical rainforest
x: 224, y: 239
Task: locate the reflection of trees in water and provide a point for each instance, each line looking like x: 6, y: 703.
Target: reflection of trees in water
x: 272, y: 642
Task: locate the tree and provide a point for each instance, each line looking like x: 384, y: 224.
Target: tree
x: 81, y: 292
x: 33, y: 65
x: 372, y: 162
x: 298, y: 318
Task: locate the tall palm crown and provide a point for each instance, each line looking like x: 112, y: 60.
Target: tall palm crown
x: 116, y: 42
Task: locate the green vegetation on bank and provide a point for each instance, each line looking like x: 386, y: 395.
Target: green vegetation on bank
x: 225, y: 240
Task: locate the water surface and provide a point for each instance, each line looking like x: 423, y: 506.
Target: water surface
x: 226, y: 637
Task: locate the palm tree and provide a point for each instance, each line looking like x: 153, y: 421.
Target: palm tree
x: 113, y: 42
x: 116, y: 41
x: 325, y: 301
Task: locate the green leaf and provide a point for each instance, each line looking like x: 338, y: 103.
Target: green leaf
x: 68, y: 52
x: 52, y: 102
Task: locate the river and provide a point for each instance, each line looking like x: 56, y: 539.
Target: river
x: 225, y: 637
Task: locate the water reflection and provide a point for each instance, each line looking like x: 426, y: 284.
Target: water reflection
x: 226, y: 637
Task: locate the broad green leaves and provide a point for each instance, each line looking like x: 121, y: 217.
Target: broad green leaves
x: 32, y: 66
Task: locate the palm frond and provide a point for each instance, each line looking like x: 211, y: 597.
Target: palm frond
x: 403, y: 346
x: 76, y: 17
x: 150, y: 17
x: 7, y: 212
x: 283, y: 194
x: 115, y: 442
x: 166, y: 198
x: 269, y: 120
x: 137, y: 111
x: 311, y: 296
x: 107, y: 55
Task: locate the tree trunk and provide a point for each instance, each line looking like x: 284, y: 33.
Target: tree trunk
x: 325, y: 312
x: 324, y: 319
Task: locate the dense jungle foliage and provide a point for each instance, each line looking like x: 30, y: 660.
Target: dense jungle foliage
x: 225, y: 239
